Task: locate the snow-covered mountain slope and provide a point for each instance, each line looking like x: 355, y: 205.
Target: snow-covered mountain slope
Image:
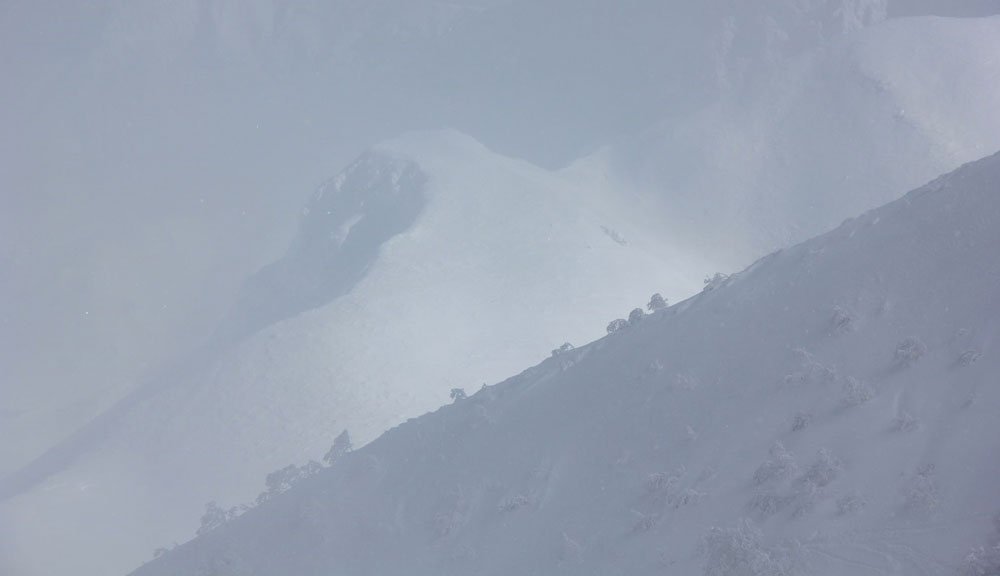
x: 429, y: 264
x: 832, y: 409
x: 219, y: 111
x: 774, y: 126
x: 164, y: 148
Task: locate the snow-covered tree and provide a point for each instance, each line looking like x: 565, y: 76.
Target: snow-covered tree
x: 849, y: 504
x: 713, y: 282
x: 909, y: 351
x: 341, y: 445
x: 635, y: 316
x: 617, y: 325
x: 458, y: 394
x: 656, y: 302
x: 566, y: 347
x: 281, y: 480
x: 824, y: 470
x: 780, y: 464
x: 310, y: 468
x: 740, y: 551
x: 214, y: 517
x: 983, y: 561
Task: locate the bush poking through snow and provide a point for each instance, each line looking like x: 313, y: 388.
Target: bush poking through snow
x: 800, y: 421
x: 685, y: 497
x: 849, y: 504
x: 909, y: 351
x: 905, y: 422
x: 645, y: 523
x: 856, y: 392
x: 457, y: 394
x: 615, y: 235
x: 969, y: 357
x: 660, y: 481
x: 666, y: 489
x: 451, y: 517
x: 922, y: 496
x: 513, y: 503
x: 842, y: 321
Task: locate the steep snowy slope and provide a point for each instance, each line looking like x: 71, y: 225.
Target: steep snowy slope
x: 218, y: 112
x: 832, y: 409
x: 431, y: 263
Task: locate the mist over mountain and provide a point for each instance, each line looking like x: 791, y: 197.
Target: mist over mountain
x: 231, y: 230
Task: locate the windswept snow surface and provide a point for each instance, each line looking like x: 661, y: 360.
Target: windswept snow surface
x: 833, y: 409
x: 495, y: 264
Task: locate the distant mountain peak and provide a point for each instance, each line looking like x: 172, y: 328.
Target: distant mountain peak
x: 340, y: 233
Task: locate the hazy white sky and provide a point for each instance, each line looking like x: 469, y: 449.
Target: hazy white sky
x: 944, y: 7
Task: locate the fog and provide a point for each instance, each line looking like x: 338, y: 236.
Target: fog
x: 958, y: 8
x: 159, y: 160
